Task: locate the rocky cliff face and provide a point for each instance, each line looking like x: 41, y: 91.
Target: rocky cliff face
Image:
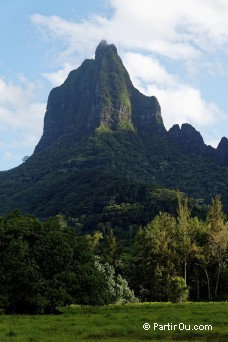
x: 98, y: 93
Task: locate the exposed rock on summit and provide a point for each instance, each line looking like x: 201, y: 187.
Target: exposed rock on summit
x: 102, y: 48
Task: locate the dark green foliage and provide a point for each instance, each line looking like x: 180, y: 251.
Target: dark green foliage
x: 109, y: 177
x: 46, y: 265
x: 20, y: 277
x: 105, y: 170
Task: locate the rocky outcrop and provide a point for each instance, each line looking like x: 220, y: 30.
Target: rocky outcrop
x: 222, y: 152
x: 189, y: 140
x: 146, y: 114
x: 102, y: 48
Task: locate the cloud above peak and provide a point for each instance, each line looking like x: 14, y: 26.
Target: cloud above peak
x: 176, y: 29
x: 21, y: 117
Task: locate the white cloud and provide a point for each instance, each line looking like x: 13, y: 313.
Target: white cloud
x: 21, y: 120
x: 180, y: 102
x: 58, y: 77
x: 81, y: 38
x: 176, y: 29
x: 203, y: 23
x: 20, y: 112
x: 186, y: 104
x: 146, y: 69
x: 10, y: 156
x: 189, y: 32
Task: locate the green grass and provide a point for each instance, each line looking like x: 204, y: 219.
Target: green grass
x: 119, y: 323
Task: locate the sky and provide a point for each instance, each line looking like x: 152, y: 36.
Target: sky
x: 175, y: 50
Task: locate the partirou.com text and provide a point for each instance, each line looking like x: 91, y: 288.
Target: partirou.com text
x: 180, y: 326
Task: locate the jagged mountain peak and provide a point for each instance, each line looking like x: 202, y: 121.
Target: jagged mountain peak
x: 103, y: 47
x: 99, y: 93
x: 187, y: 131
x: 223, y: 143
x: 222, y: 151
x: 188, y: 138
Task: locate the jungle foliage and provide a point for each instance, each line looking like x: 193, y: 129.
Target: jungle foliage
x: 44, y: 265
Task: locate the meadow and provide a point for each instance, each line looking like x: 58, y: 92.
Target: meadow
x: 120, y: 323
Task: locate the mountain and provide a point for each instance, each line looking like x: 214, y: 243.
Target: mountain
x: 105, y: 156
x: 99, y: 94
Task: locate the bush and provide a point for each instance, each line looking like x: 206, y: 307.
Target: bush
x: 45, y: 265
x: 177, y: 290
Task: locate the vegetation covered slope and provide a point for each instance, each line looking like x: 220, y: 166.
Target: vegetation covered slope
x: 105, y: 150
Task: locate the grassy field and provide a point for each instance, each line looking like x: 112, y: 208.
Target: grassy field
x: 120, y: 323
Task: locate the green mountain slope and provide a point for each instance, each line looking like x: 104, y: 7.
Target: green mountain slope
x: 105, y: 155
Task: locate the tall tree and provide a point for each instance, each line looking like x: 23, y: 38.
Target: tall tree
x: 184, y: 232
x: 218, y: 236
x: 155, y: 257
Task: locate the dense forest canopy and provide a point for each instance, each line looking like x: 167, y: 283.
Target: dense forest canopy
x: 44, y: 265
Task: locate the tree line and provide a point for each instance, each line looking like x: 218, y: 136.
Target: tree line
x: 171, y: 246
x: 184, y: 246
x: 45, y: 265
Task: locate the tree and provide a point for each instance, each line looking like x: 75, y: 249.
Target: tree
x: 21, y: 280
x: 178, y: 291
x: 218, y: 236
x: 184, y: 232
x: 111, y: 247
x: 116, y: 289
x: 123, y: 292
x: 155, y: 258
x: 44, y: 265
x: 164, y: 248
x: 202, y: 254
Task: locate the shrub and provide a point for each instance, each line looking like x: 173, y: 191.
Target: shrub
x: 177, y: 290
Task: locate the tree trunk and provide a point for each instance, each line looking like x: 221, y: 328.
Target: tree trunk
x: 197, y: 286
x: 217, y: 280
x: 208, y: 284
x: 185, y: 272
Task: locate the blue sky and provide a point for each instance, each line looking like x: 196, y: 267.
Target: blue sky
x: 176, y: 50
